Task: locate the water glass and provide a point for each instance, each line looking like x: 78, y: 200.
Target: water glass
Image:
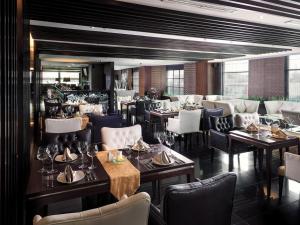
x: 42, y: 156
x: 82, y: 149
x: 52, y: 151
x: 91, y: 152
x: 170, y: 141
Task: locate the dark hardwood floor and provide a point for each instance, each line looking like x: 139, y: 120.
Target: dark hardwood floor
x: 250, y: 205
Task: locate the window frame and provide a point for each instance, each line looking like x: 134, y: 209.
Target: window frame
x: 180, y: 80
x: 287, y: 71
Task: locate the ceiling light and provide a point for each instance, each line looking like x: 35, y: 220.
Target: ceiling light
x: 206, y: 6
x: 92, y: 28
x: 293, y: 22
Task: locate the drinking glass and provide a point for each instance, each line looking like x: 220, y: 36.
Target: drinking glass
x: 170, y: 141
x: 91, y: 152
x: 52, y: 151
x: 161, y: 137
x: 42, y: 156
x: 82, y: 148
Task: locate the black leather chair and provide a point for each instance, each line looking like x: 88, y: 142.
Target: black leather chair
x: 220, y: 128
x: 52, y: 103
x: 68, y: 139
x: 97, y: 122
x: 206, y: 114
x: 206, y: 202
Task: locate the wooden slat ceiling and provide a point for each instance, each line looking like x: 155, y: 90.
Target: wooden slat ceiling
x: 57, y: 48
x: 285, y: 8
x: 125, y: 16
x: 102, y: 38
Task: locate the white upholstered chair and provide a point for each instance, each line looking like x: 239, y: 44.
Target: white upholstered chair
x: 133, y: 210
x: 186, y: 122
x: 118, y: 138
x: 63, y: 125
x: 290, y: 170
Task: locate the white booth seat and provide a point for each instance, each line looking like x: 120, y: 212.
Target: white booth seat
x: 274, y: 108
x: 190, y: 99
x: 217, y: 97
x: 63, y: 125
x: 186, y: 122
x: 133, y: 210
x: 118, y: 138
x: 90, y: 108
x: 242, y: 108
x: 244, y: 119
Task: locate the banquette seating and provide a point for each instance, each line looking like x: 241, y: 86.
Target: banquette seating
x: 63, y: 125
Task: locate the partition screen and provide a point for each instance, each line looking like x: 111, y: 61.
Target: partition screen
x: 235, y: 78
x: 136, y: 81
x: 294, y: 77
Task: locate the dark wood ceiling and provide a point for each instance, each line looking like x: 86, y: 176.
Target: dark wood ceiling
x: 125, y: 16
x: 290, y: 9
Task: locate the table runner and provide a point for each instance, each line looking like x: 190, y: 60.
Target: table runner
x: 124, y: 177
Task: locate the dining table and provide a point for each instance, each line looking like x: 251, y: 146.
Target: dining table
x: 44, y: 189
x: 127, y: 104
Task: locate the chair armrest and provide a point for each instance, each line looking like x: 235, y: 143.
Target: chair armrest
x: 155, y: 217
x: 218, y: 140
x: 292, y: 166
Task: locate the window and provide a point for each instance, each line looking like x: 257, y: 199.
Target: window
x: 294, y: 77
x: 60, y: 77
x: 136, y: 81
x: 235, y: 78
x: 50, y: 77
x: 175, y: 82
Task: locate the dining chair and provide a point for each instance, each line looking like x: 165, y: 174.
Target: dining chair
x: 290, y: 170
x: 218, y: 139
x: 118, y: 138
x: 133, y: 210
x: 63, y: 125
x: 205, y: 125
x: 187, y: 123
x: 205, y: 202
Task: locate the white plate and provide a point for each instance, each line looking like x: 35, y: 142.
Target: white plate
x: 77, y: 176
x: 59, y: 158
x: 154, y: 161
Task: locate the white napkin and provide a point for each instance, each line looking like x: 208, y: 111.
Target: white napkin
x: 69, y: 176
x: 67, y: 155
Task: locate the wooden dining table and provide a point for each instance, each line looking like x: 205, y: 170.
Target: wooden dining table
x: 43, y: 190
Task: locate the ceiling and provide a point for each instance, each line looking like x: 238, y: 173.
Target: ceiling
x: 161, y: 31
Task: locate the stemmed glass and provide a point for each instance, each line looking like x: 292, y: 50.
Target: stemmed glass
x: 52, y: 151
x: 170, y: 141
x: 161, y: 137
x: 82, y: 148
x: 268, y: 121
x: 42, y: 156
x: 91, y: 152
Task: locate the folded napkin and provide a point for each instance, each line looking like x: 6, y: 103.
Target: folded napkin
x: 140, y: 145
x: 280, y: 134
x: 252, y: 127
x: 69, y: 176
x: 163, y: 158
x: 67, y: 155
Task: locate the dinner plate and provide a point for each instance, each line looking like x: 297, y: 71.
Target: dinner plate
x: 59, y: 158
x: 78, y: 175
x: 156, y: 162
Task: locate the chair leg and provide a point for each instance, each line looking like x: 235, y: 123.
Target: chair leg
x: 203, y: 137
x: 230, y: 161
x: 185, y: 142
x: 280, y: 180
x: 260, y: 158
x: 255, y: 157
x: 212, y: 154
x: 179, y: 142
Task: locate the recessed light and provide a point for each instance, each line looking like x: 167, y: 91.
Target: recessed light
x: 261, y: 17
x: 293, y: 22
x: 92, y: 28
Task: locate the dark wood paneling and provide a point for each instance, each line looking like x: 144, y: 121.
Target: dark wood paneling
x: 103, y: 38
x: 267, y: 77
x: 190, y: 78
x: 14, y: 104
x: 120, y: 15
x: 202, y: 78
x: 145, y: 79
x: 158, y: 78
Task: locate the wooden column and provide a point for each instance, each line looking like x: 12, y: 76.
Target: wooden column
x: 202, y: 78
x: 14, y: 103
x: 145, y: 79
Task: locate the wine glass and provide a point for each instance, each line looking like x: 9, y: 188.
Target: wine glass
x: 42, y: 156
x: 170, y: 141
x: 91, y: 152
x: 82, y: 148
x: 268, y: 121
x: 161, y: 137
x: 52, y: 151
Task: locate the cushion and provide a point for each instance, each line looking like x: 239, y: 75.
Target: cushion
x: 240, y: 107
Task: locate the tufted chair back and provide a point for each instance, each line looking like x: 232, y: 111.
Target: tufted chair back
x: 49, y: 104
x: 118, y: 138
x: 207, y: 113
x: 222, y: 124
x: 63, y: 125
x: 206, y: 202
x: 242, y: 120
x: 67, y: 139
